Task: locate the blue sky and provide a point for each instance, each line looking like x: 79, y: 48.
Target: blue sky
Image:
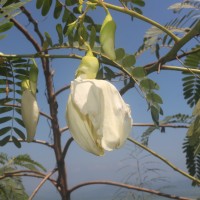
x: 83, y: 166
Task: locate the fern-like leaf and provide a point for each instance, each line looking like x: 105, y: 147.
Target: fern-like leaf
x: 191, y: 82
x: 174, y: 119
x: 192, y: 161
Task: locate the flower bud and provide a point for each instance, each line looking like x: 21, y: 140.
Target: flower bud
x: 107, y: 36
x: 30, y: 113
x: 88, y: 67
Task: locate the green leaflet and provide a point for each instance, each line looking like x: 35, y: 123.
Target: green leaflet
x: 60, y: 33
x: 46, y: 7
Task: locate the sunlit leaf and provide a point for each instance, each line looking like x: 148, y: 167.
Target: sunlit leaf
x: 60, y: 33
x: 148, y: 84
x: 57, y: 10
x: 46, y: 7
x: 48, y: 39
x: 154, y: 98
x: 155, y: 114
x: 5, y: 27
x: 138, y: 73
x: 120, y: 53
x: 92, y: 37
x: 39, y: 3
x: 128, y: 61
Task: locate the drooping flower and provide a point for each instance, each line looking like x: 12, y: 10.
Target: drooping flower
x: 30, y: 113
x: 97, y: 116
x: 29, y: 105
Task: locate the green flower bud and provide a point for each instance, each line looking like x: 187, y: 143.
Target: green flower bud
x: 88, y: 67
x: 107, y: 36
x: 25, y: 84
x: 33, y: 77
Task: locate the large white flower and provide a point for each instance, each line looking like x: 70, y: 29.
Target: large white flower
x: 97, y: 116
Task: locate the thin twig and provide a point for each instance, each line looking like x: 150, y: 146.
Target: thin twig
x: 41, y: 183
x: 17, y: 106
x: 164, y: 160
x: 35, y: 141
x: 61, y: 90
x: 28, y: 173
x: 34, y: 22
x: 160, y: 125
x: 26, y: 34
x: 64, y: 129
x: 129, y: 187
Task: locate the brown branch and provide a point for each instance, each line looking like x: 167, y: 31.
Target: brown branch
x: 61, y: 90
x: 34, y: 22
x: 41, y: 183
x: 16, y: 106
x: 130, y: 85
x: 28, y: 173
x: 160, y: 125
x: 26, y: 34
x: 128, y: 187
x: 165, y: 161
x: 53, y: 106
x: 35, y: 141
x: 64, y: 129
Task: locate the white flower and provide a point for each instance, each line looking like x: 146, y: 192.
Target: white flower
x: 30, y: 113
x: 97, y: 116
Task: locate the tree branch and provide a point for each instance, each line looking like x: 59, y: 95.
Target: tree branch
x: 174, y: 50
x: 35, y: 141
x: 164, y: 160
x: 34, y: 22
x: 26, y: 34
x: 16, y: 106
x: 161, y: 125
x: 128, y: 187
x: 41, y: 183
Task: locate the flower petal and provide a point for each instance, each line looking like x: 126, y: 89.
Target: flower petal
x: 102, y: 103
x: 82, y: 129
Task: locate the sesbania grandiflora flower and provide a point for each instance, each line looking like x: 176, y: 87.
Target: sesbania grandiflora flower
x: 29, y: 106
x: 97, y: 116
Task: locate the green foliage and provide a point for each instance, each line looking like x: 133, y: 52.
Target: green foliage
x: 12, y: 72
x: 9, y: 9
x: 174, y: 119
x: 155, y: 38
x: 191, y: 82
x: 134, y: 5
x: 192, y: 160
x: 193, y: 132
x: 11, y: 187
